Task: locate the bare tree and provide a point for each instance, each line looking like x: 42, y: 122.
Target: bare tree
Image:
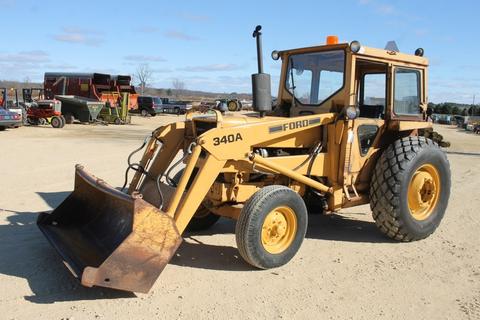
x: 179, y: 86
x: 26, y: 80
x: 144, y: 75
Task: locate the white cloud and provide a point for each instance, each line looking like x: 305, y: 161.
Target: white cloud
x: 195, y: 17
x: 385, y: 9
x: 146, y: 29
x: 144, y: 58
x: 161, y: 70
x: 459, y: 89
x: 59, y: 66
x: 79, y: 36
x: 33, y: 56
x: 175, y: 34
x: 379, y: 7
x: 211, y: 67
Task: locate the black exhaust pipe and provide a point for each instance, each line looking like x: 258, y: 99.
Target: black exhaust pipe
x: 261, y: 87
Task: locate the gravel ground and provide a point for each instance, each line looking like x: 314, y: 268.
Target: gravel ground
x: 345, y: 269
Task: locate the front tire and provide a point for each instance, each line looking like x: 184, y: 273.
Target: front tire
x: 271, y: 227
x: 232, y: 105
x: 203, y: 218
x: 410, y: 189
x: 56, y: 122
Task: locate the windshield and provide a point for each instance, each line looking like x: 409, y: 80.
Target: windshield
x: 157, y: 100
x: 314, y: 77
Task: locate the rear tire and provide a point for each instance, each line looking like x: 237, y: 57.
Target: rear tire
x: 117, y: 121
x: 3, y: 128
x: 144, y: 112
x: 32, y: 121
x: 410, y: 189
x: 271, y: 227
x: 69, y: 118
x: 62, y: 118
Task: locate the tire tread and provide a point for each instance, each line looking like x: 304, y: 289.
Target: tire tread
x: 385, y: 186
x: 247, y: 222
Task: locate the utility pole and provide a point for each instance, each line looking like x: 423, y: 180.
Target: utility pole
x: 473, y: 105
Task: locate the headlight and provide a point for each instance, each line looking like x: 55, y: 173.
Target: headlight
x: 275, y: 55
x: 355, y: 46
x: 419, y: 52
x: 352, y: 112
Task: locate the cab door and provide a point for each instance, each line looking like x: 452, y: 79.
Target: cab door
x: 372, y: 87
x: 409, y: 100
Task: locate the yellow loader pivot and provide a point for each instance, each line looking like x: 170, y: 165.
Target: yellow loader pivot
x: 346, y: 130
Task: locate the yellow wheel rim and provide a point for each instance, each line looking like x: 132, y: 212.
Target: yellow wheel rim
x: 279, y: 229
x: 423, y: 192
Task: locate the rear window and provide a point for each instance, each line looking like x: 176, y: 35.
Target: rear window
x: 145, y: 100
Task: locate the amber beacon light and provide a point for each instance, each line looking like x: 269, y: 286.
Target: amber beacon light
x: 332, y: 40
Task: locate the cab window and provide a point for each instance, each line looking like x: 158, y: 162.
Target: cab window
x: 372, y: 97
x: 314, y: 77
x: 374, y: 89
x: 406, y: 92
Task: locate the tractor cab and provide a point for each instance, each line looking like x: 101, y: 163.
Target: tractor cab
x: 380, y: 84
x: 380, y: 95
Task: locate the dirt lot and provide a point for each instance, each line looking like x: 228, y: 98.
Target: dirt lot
x: 345, y: 269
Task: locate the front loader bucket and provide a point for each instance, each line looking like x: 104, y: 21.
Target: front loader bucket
x: 108, y: 238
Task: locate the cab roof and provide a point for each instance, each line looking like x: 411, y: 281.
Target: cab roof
x: 364, y: 51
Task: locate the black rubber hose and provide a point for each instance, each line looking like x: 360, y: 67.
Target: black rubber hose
x: 134, y: 166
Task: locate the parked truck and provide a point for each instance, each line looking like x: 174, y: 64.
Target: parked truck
x: 177, y: 107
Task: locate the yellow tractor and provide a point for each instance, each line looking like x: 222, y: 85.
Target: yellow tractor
x: 345, y: 131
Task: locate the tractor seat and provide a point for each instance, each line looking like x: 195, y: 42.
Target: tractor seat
x: 371, y: 111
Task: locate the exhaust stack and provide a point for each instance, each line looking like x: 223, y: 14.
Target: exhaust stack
x: 261, y: 88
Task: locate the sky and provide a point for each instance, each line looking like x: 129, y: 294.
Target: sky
x: 208, y: 45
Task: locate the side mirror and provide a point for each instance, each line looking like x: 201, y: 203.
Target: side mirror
x: 298, y: 72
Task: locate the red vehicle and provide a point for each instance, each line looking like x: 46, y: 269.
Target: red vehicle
x: 98, y: 86
x: 43, y: 111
